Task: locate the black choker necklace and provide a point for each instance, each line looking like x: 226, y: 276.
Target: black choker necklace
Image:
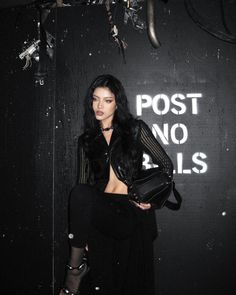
x: 106, y: 129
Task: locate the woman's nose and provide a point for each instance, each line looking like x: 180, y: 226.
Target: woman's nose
x: 100, y: 104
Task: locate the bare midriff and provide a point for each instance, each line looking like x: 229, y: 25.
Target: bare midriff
x: 114, y: 185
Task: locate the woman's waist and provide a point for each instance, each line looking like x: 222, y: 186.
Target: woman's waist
x: 113, y: 186
x: 111, y: 192
x: 116, y: 187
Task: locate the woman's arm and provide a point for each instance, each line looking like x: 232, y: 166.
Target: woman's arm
x: 152, y: 147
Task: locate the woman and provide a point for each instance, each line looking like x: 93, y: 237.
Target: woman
x: 117, y: 233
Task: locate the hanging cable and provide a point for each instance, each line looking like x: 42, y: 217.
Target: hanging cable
x: 222, y: 10
x: 151, y: 28
x: 122, y: 45
x: 209, y: 28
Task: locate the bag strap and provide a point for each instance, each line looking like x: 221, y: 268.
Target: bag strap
x: 171, y: 205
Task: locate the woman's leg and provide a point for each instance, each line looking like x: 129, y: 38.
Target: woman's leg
x: 113, y: 224
x: 81, y: 201
x: 76, y: 269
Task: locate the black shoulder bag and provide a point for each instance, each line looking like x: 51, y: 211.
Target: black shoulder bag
x: 154, y: 186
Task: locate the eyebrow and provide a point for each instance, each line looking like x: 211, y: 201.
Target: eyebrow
x: 103, y: 97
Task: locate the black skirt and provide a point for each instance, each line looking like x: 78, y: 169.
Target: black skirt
x: 120, y: 248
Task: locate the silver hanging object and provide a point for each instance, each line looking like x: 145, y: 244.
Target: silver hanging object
x: 29, y: 53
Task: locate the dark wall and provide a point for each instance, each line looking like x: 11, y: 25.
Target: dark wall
x: 27, y: 165
x: 195, y: 249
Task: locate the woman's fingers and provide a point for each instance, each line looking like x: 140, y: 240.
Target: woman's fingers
x: 142, y: 206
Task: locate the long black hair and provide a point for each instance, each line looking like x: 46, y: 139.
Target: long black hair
x: 123, y: 121
x: 122, y: 115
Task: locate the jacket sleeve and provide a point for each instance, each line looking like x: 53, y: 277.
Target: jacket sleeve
x: 83, y: 167
x: 152, y: 147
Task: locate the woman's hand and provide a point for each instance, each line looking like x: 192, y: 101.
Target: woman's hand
x: 142, y: 206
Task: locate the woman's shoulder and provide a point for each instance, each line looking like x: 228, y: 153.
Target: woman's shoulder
x: 136, y: 125
x: 141, y: 127
x: 82, y: 138
x: 139, y: 123
x: 88, y: 136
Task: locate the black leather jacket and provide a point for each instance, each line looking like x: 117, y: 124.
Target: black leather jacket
x: 94, y: 169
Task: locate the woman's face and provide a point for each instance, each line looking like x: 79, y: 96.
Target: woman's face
x: 104, y: 105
